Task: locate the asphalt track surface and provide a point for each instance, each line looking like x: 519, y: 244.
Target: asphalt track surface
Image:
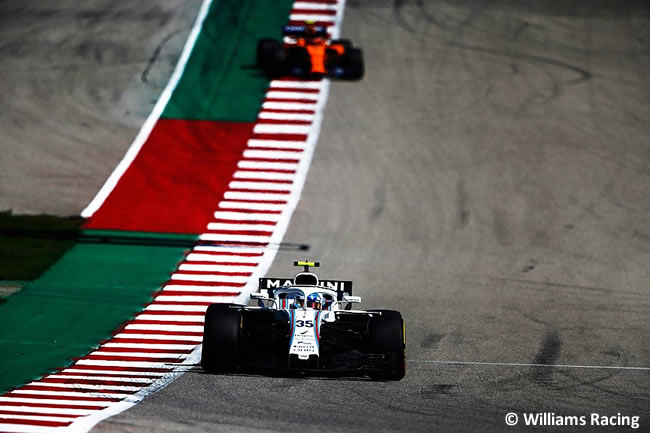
x: 78, y: 79
x: 489, y: 178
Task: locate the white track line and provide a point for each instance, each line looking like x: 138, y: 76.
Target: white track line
x: 25, y: 411
x: 118, y: 363
x: 285, y: 144
x: 335, y: 30
x: 523, y: 364
x: 197, y: 290
x: 186, y: 339
x: 217, y: 237
x: 171, y: 310
x: 252, y: 206
x: 270, y: 154
x: 263, y: 175
x: 214, y: 268
x: 261, y: 196
x: 196, y: 298
x: 315, y: 6
x: 276, y: 94
x: 158, y: 307
x: 6, y: 416
x: 73, y: 393
x: 311, y: 17
x: 179, y: 328
x: 243, y: 226
x: 72, y: 378
x: 220, y: 258
x: 280, y: 128
x: 245, y: 216
x: 49, y: 410
x: 190, y: 284
x: 271, y: 186
x: 149, y: 124
x: 8, y: 399
x: 124, y: 356
x: 225, y: 249
x: 86, y: 423
x: 171, y: 318
x: 296, y: 84
x: 154, y: 374
x: 212, y: 278
x: 267, y: 165
x: 273, y: 105
x: 285, y: 116
x: 18, y: 428
x: 155, y: 336
x: 80, y: 385
x: 154, y: 345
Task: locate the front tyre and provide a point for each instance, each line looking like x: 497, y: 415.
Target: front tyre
x: 387, y: 338
x: 221, y: 336
x: 354, y: 68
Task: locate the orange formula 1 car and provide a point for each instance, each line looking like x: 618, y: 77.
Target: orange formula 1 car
x: 308, y: 53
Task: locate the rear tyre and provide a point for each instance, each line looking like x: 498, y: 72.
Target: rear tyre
x: 354, y: 69
x: 347, y: 44
x: 270, y: 56
x: 221, y: 335
x: 265, y: 49
x: 386, y: 333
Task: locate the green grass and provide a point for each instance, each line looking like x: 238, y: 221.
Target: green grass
x: 30, y: 244
x: 221, y: 80
x: 79, y: 301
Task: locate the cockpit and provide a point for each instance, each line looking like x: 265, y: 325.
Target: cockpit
x: 298, y: 297
x: 304, y: 291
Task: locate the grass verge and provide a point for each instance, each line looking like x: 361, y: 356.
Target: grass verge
x: 30, y: 244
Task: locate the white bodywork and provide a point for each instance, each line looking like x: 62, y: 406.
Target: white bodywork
x: 305, y: 337
x: 305, y: 319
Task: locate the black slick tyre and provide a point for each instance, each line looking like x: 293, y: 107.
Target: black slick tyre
x: 386, y: 337
x: 347, y: 44
x: 271, y: 56
x: 298, y: 61
x: 221, y: 336
x: 265, y: 50
x: 354, y: 68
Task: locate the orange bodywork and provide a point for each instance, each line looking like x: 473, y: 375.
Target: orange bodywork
x: 317, y: 55
x: 317, y: 49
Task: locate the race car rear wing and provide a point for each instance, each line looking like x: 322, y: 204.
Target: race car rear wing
x: 297, y: 31
x: 341, y: 287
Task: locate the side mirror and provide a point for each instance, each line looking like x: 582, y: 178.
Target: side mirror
x: 261, y: 298
x: 352, y: 299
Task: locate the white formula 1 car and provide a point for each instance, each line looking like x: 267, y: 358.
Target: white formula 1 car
x: 304, y: 324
